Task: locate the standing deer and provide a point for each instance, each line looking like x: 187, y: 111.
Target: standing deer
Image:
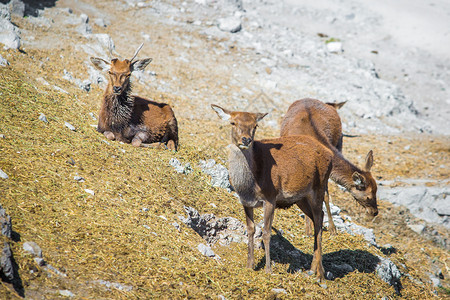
x: 125, y: 117
x: 321, y: 121
x: 276, y: 173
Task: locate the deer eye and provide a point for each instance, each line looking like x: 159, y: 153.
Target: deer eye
x: 233, y: 123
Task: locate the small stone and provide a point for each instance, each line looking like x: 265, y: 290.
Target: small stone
x: 334, y: 47
x: 39, y: 261
x: 70, y: 126
x: 206, y: 250
x: 89, y: 191
x: 279, y: 291
x: 323, y: 285
x: 78, y: 178
x: 230, y: 24
x: 43, y: 118
x: 3, y: 62
x: 145, y: 209
x: 32, y: 248
x: 176, y: 225
x: 329, y: 275
x: 3, y: 174
x: 66, y: 293
x: 418, y: 228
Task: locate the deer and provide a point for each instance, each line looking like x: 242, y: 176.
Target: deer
x: 276, y: 173
x: 321, y: 120
x: 128, y: 118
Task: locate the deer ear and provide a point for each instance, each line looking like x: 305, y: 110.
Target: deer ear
x: 100, y: 64
x: 260, y: 116
x: 140, y: 64
x: 359, y: 181
x: 223, y: 113
x: 369, y: 161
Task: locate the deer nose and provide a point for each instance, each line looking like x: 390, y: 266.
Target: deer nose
x: 246, y: 141
x: 117, y: 89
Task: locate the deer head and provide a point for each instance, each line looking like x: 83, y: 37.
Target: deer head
x: 364, y: 187
x: 243, y: 124
x: 119, y: 71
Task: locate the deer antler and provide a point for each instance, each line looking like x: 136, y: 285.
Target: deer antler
x: 137, y: 51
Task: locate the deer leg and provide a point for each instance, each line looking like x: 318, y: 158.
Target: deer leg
x: 308, y: 226
x: 250, y: 235
x: 269, y: 210
x: 316, y: 265
x: 331, y: 226
x: 109, y: 135
x: 139, y: 138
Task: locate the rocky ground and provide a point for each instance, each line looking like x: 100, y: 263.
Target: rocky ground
x: 392, y: 67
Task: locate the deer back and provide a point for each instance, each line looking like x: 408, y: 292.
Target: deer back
x: 314, y: 118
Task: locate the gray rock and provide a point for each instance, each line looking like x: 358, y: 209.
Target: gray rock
x: 206, y: 250
x: 70, y: 126
x: 6, y: 265
x: 417, y: 228
x: 43, y: 118
x: 389, y: 273
x: 118, y: 286
x: 39, y: 261
x: 427, y: 203
x: 6, y: 224
x: 219, y: 174
x: 3, y: 175
x: 17, y: 8
x: 3, y: 62
x: 179, y: 168
x: 230, y: 24
x: 223, y: 230
x: 32, y: 248
x: 9, y: 34
x: 78, y: 178
x: 101, y: 22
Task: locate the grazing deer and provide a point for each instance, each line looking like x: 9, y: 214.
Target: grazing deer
x: 125, y: 117
x: 276, y: 173
x: 321, y: 121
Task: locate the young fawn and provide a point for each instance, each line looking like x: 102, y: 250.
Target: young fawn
x: 276, y: 173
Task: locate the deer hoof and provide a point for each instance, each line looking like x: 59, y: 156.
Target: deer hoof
x: 136, y: 142
x: 171, y: 145
x: 109, y: 135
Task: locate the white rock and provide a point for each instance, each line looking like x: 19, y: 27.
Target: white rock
x: 66, y: 293
x: 89, y: 191
x: 335, y: 47
x: 230, y: 24
x: 70, y: 126
x: 206, y: 250
x: 3, y: 174
x: 3, y: 62
x: 32, y: 248
x: 43, y: 118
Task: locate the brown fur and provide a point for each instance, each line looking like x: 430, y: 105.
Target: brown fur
x: 133, y: 119
x: 321, y: 121
x: 277, y: 173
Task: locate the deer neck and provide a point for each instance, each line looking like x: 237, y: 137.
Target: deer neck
x: 241, y: 168
x: 118, y: 108
x: 343, y: 170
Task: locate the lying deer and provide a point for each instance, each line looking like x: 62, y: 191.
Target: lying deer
x: 125, y: 117
x: 276, y: 173
x: 321, y: 121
